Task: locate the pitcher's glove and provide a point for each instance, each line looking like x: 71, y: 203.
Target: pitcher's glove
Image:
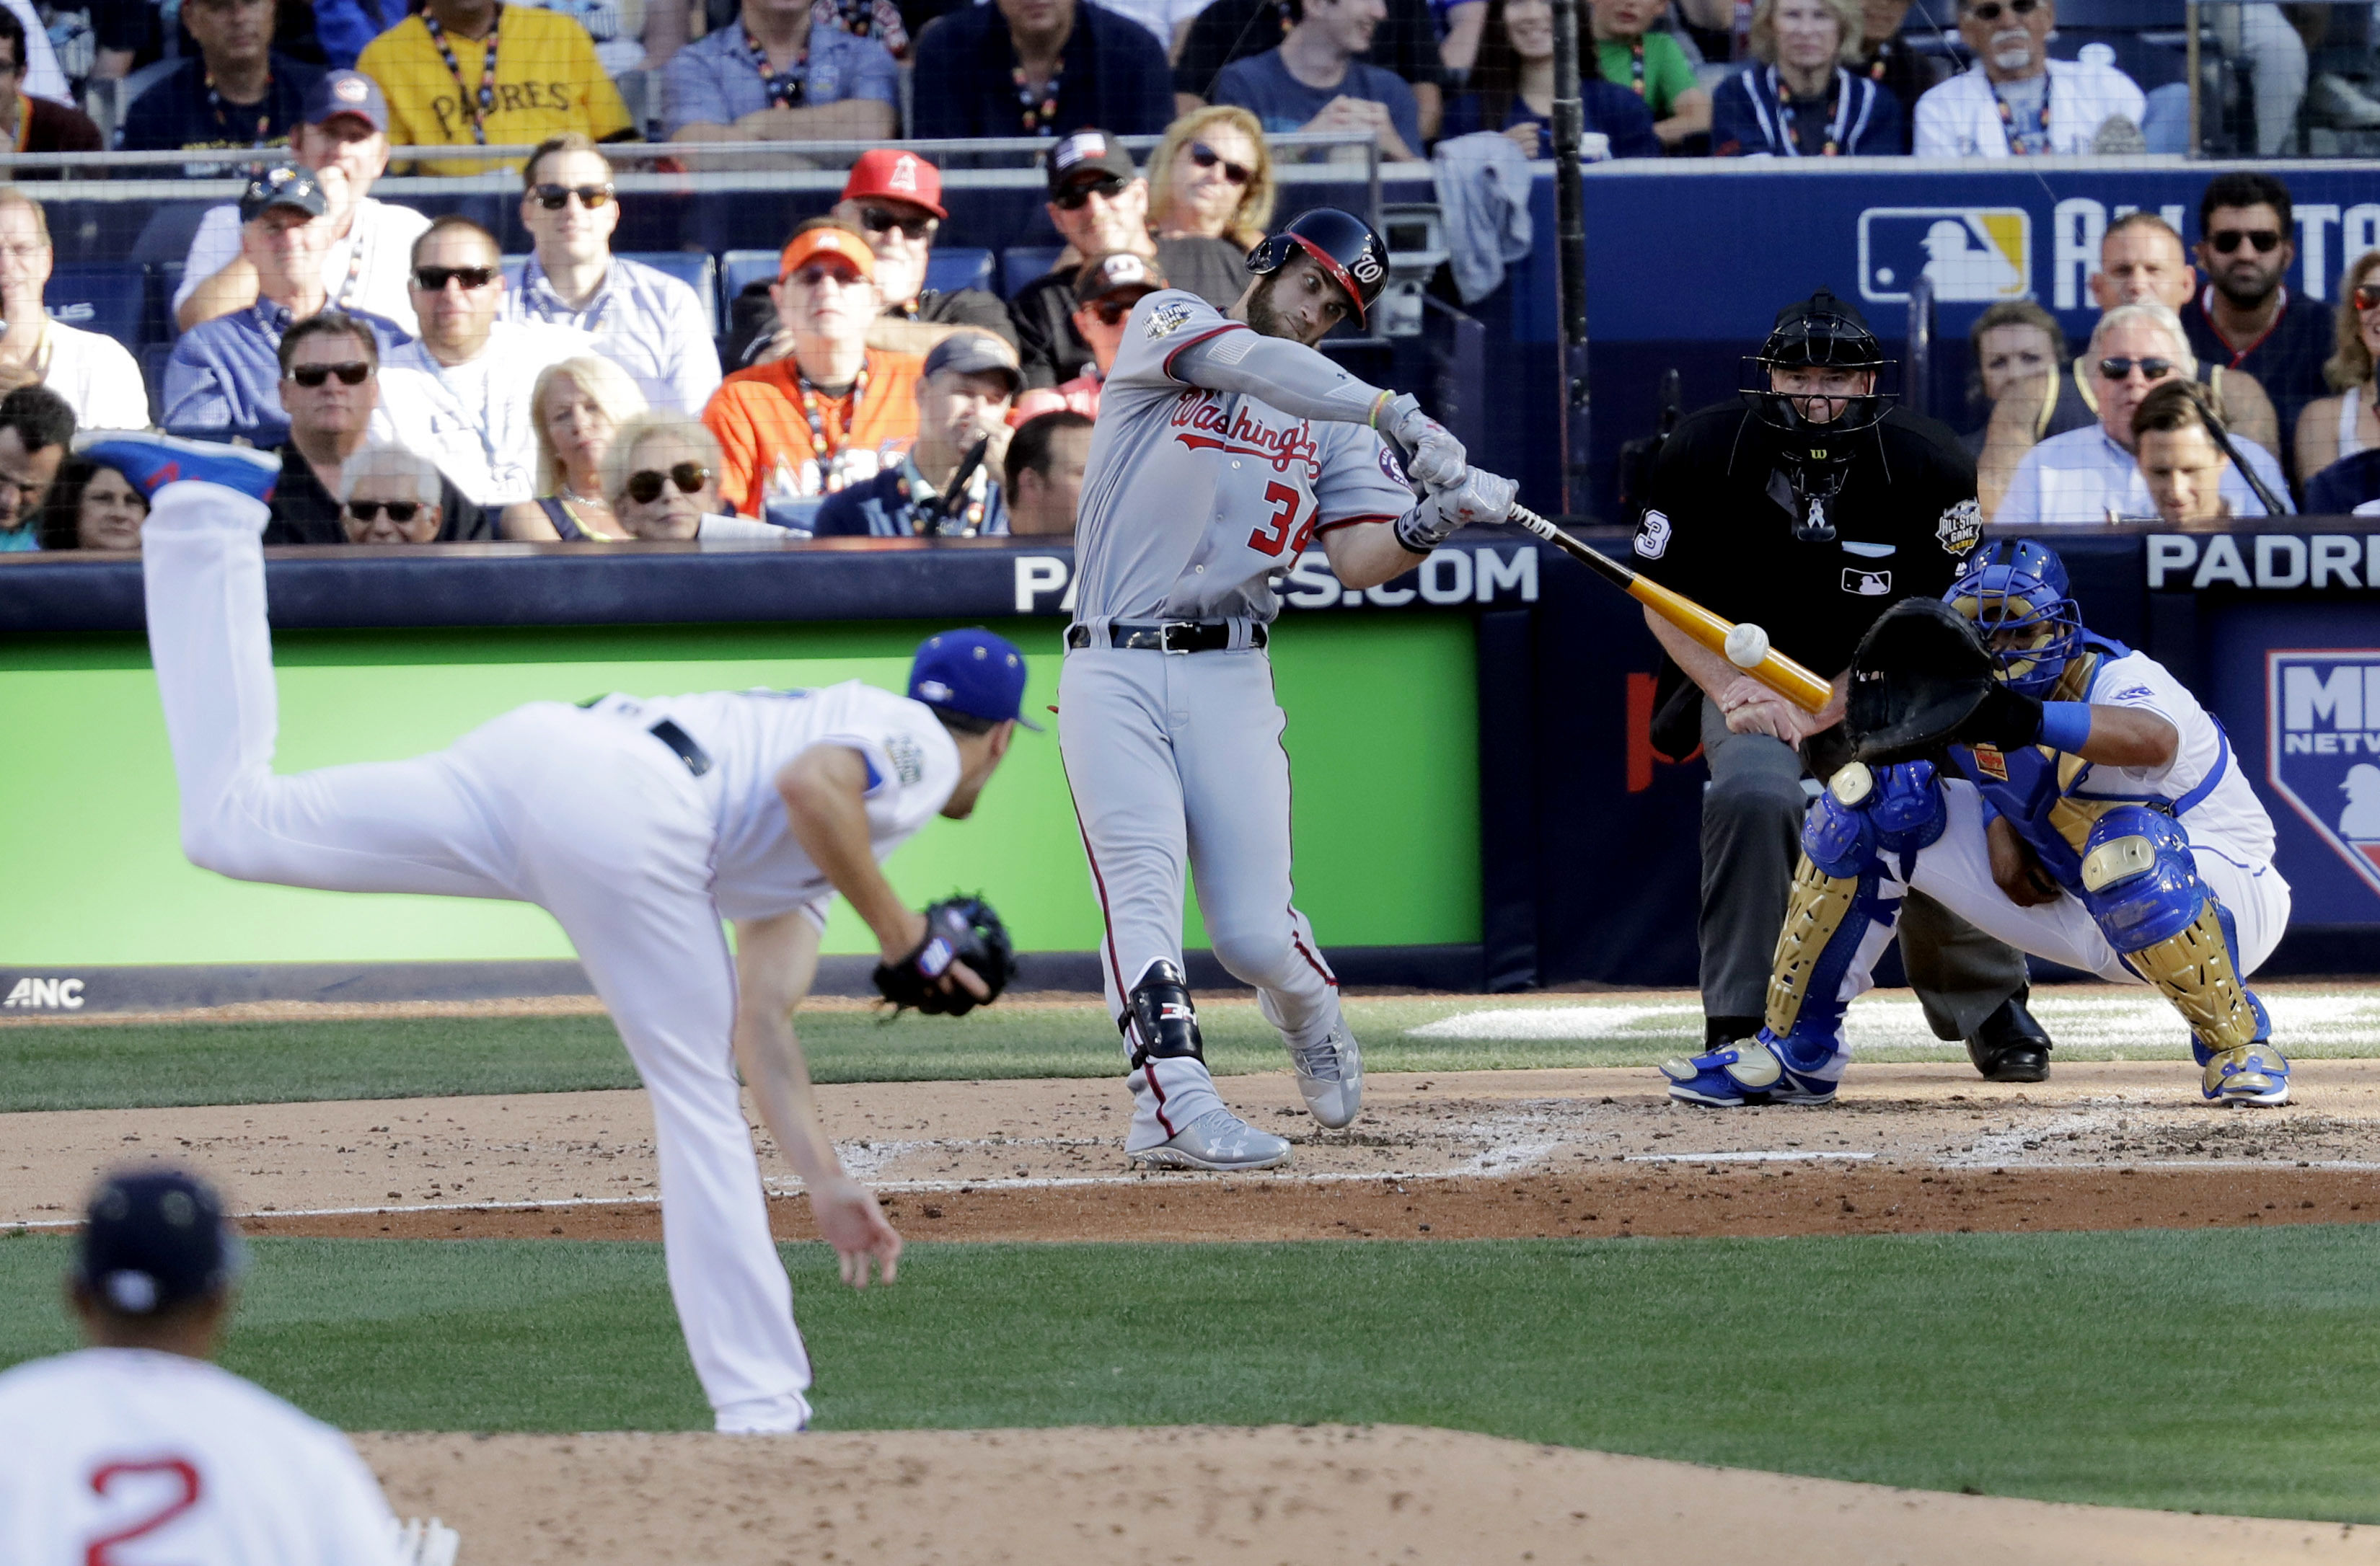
x: 958, y: 930
x: 1921, y: 673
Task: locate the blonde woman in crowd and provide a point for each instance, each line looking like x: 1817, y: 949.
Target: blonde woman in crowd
x: 2332, y: 428
x: 581, y: 406
x: 1211, y: 178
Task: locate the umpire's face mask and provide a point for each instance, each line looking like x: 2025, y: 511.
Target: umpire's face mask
x: 1820, y: 393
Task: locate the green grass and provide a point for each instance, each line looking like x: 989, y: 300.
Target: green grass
x: 2227, y: 1370
x: 127, y: 1065
x: 137, y: 1065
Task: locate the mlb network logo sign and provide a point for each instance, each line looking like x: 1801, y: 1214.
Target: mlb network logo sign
x: 45, y: 994
x: 2324, y: 749
x: 1972, y: 255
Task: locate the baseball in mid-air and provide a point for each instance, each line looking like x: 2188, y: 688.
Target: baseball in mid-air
x: 1748, y: 644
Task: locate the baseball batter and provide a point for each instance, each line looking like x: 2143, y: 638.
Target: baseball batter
x: 1224, y: 443
x: 638, y: 824
x: 135, y: 1449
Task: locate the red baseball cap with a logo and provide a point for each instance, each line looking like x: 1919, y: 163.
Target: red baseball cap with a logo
x: 904, y: 177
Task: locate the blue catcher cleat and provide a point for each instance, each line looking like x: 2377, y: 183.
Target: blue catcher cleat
x: 150, y: 461
x: 2255, y: 1073
x: 1756, y: 1071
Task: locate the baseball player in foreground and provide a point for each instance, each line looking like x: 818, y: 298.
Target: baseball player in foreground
x: 2097, y: 820
x: 638, y: 824
x: 137, y: 1449
x: 1224, y: 443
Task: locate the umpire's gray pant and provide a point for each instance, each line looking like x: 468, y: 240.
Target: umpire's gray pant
x: 1752, y: 843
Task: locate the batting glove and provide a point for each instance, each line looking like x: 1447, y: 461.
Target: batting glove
x: 1433, y: 457
x: 1480, y: 499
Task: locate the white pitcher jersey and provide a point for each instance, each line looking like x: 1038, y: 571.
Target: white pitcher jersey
x: 913, y: 766
x: 134, y: 1457
x: 1194, y: 502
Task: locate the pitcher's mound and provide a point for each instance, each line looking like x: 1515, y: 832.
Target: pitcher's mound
x: 1206, y: 1495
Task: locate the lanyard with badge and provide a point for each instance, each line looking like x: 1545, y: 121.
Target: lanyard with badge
x: 1838, y: 110
x: 1042, y: 111
x: 2021, y: 145
x: 786, y: 89
x: 832, y: 465
x: 221, y: 111
x: 486, y: 102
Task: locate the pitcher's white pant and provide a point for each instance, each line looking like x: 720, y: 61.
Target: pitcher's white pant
x: 1176, y: 757
x: 581, y: 813
x: 1956, y: 871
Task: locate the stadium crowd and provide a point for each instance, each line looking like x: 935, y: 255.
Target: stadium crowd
x: 420, y: 389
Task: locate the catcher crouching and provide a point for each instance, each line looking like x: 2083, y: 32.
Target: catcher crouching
x: 2055, y: 788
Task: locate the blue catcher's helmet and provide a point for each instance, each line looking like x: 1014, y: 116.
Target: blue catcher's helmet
x: 2015, y: 590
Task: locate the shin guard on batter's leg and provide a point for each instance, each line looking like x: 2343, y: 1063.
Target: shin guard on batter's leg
x: 1858, y: 845
x: 2141, y: 882
x: 1178, y: 1120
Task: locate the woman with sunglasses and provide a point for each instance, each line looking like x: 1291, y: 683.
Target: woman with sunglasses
x: 662, y: 479
x: 579, y: 406
x: 1211, y: 178
x: 387, y: 495
x: 92, y: 507
x: 2333, y: 428
x: 1800, y: 99
x: 1512, y: 90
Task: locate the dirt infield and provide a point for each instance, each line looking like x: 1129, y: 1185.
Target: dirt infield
x: 1488, y: 1153
x: 1321, y: 1493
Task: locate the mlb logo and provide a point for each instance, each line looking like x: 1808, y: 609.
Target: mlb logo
x: 2322, y: 713
x: 1972, y: 255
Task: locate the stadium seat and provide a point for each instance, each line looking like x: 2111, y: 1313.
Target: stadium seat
x: 949, y: 270
x: 1021, y: 264
x: 696, y: 268
x: 110, y: 300
x: 738, y: 270
x: 159, y: 325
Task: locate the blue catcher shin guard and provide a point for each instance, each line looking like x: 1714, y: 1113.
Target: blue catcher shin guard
x: 1836, y: 920
x: 2140, y: 884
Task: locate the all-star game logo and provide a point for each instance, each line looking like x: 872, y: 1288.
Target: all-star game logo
x: 2323, y: 750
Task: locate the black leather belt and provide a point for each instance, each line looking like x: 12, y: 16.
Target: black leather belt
x: 1170, y: 635
x: 697, y: 759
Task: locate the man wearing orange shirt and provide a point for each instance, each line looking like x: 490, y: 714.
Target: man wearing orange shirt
x: 833, y: 411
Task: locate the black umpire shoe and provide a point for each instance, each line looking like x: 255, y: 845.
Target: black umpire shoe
x: 2010, y: 1046
x: 1719, y: 1032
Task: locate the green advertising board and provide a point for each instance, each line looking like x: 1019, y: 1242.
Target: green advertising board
x: 1383, y: 736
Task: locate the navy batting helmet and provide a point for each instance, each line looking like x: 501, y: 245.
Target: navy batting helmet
x: 1346, y: 248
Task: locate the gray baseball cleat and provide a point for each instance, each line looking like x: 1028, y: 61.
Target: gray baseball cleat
x: 1217, y: 1140
x: 1330, y: 1074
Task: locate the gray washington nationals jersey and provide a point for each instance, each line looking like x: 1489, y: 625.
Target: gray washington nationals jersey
x: 1194, y: 500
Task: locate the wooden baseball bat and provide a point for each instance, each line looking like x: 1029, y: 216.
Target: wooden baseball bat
x: 1794, y: 682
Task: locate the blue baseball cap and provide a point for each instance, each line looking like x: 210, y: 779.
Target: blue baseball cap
x: 154, y: 1238
x: 971, y: 672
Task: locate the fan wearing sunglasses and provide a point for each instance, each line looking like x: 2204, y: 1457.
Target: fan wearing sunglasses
x: 2335, y: 428
x: 1212, y: 177
x: 389, y: 496
x: 662, y: 477
x: 648, y: 323
x: 223, y: 379
x: 1105, y: 290
x: 2016, y: 101
x: 2093, y: 475
x: 1099, y: 203
x: 2246, y: 317
x: 461, y: 393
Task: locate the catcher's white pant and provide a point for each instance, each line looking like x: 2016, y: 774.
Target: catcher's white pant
x: 1175, y: 759
x: 1956, y: 871
x: 580, y: 812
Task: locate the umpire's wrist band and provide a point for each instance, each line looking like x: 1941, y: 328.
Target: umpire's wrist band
x: 2065, y: 725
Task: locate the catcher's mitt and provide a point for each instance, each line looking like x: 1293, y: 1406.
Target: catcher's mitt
x: 1920, y: 673
x: 958, y: 930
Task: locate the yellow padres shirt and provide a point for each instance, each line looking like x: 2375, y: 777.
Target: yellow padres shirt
x: 547, y: 80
